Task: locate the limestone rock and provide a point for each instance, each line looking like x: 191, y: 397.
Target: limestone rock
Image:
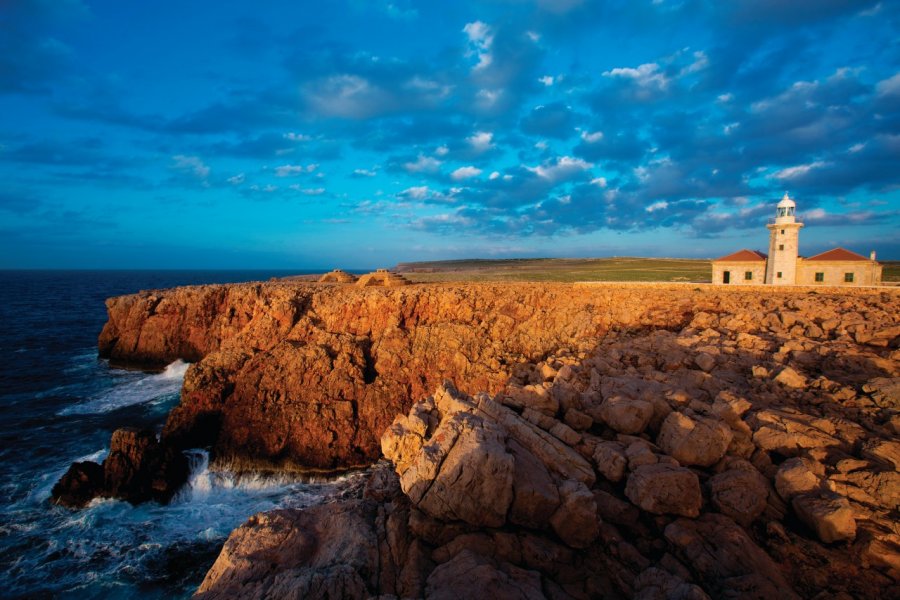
x: 665, y: 489
x: 828, y: 515
x: 626, y: 415
x: 740, y: 494
x: 467, y: 572
x: 725, y: 560
x: 788, y: 377
x: 794, y: 477
x: 610, y: 460
x: 657, y: 584
x: 698, y: 441
x: 575, y: 521
x: 81, y: 483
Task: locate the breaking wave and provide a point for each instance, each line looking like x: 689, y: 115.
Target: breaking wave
x: 137, y: 388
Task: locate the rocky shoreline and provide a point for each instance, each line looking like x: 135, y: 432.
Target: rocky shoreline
x: 555, y: 441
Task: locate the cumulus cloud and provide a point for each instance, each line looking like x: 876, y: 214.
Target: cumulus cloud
x: 481, y: 38
x: 292, y: 170
x: 481, y: 141
x: 465, y: 173
x: 563, y: 168
x: 423, y: 164
x: 191, y: 165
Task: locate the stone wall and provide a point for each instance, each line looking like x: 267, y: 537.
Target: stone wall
x: 738, y: 270
x: 864, y: 272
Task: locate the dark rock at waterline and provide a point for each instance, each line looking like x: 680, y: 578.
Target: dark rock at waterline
x: 137, y: 469
x: 79, y: 485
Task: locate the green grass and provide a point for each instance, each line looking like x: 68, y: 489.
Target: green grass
x: 560, y: 269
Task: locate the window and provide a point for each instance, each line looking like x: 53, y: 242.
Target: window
x: 782, y: 232
x: 820, y: 277
x: 848, y: 277
x: 726, y: 277
x: 748, y: 275
x: 781, y: 246
x: 778, y: 275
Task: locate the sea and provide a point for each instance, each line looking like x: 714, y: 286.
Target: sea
x: 59, y: 403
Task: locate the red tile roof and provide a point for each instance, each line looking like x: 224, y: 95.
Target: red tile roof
x: 742, y: 256
x: 837, y: 254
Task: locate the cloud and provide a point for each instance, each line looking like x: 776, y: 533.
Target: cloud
x: 364, y: 173
x: 423, y: 164
x: 481, y: 141
x: 465, y: 173
x: 564, y: 168
x: 481, y: 38
x: 293, y: 170
x: 192, y: 166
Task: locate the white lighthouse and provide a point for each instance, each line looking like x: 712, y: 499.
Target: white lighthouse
x: 784, y: 244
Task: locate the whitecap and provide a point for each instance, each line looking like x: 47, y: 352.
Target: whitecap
x: 140, y: 389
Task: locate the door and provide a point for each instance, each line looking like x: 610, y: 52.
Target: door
x: 726, y: 277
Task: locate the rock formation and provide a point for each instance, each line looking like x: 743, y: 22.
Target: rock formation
x: 337, y: 276
x: 627, y: 441
x: 382, y: 278
x: 137, y: 469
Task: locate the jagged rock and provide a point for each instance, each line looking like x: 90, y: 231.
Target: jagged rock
x: 626, y: 415
x: 81, y: 483
x: 790, y: 378
x: 535, y: 497
x: 610, y: 460
x: 828, y: 515
x: 137, y: 469
x: 694, y: 441
x: 665, y: 489
x: 467, y: 571
x: 327, y: 551
x: 725, y: 560
x: 794, y: 477
x: 739, y: 493
x: 657, y: 584
x: 575, y: 521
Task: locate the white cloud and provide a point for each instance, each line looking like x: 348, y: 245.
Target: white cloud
x: 481, y: 141
x: 889, y: 86
x: 546, y: 80
x: 481, y: 38
x: 419, y: 192
x: 725, y: 97
x: 857, y: 147
x: 660, y: 205
x: 533, y: 36
x: 799, y: 170
x: 701, y: 61
x: 296, y: 137
x: 442, y: 150
x: 291, y: 170
x: 191, y: 164
x: 564, y: 168
x: 494, y: 175
x: 312, y: 191
x: 423, y: 164
x: 237, y: 179
x: 465, y: 173
x: 541, y: 145
x: 599, y: 182
x: 591, y: 137
x: 647, y: 75
x: 727, y: 129
x: 364, y: 172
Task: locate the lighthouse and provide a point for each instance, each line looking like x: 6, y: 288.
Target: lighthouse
x: 784, y: 243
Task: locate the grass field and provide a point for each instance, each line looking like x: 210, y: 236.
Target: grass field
x: 560, y: 269
x: 576, y: 269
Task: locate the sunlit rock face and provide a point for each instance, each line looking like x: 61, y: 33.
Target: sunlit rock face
x: 547, y: 440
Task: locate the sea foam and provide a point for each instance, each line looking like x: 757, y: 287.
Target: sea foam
x: 138, y: 390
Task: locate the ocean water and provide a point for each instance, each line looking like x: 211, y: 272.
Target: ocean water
x: 59, y: 403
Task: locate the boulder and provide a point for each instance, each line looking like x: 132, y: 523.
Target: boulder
x: 739, y: 493
x: 610, y: 460
x: 81, y: 483
x: 725, y: 560
x: 575, y: 521
x: 665, y: 489
x: 697, y: 440
x: 657, y: 584
x: 467, y: 572
x: 828, y: 515
x: 788, y: 377
x: 794, y: 477
x: 626, y: 415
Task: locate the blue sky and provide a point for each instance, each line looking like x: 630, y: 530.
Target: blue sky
x: 358, y: 134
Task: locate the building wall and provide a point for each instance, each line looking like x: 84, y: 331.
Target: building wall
x: 737, y: 270
x: 783, y: 260
x: 864, y: 272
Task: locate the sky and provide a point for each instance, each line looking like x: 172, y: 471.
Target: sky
x: 358, y: 134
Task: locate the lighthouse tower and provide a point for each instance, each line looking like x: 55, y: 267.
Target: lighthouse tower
x: 784, y: 237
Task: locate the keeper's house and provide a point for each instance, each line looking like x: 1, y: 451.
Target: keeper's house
x: 784, y: 266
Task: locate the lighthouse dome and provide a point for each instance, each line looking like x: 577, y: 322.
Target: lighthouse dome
x: 787, y: 202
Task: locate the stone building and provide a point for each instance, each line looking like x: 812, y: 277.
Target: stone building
x: 784, y: 265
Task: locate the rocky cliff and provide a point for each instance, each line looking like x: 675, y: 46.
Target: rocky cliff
x: 747, y: 450
x: 646, y: 441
